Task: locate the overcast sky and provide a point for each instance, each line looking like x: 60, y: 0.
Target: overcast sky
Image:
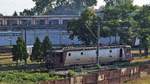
x: 7, y: 7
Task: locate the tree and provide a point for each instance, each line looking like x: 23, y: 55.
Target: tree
x: 36, y: 51
x: 1, y: 14
x: 85, y: 28
x: 143, y: 19
x: 46, y: 45
x: 15, y: 14
x: 15, y: 55
x: 119, y: 18
x: 27, y: 12
x: 46, y: 5
x: 118, y: 2
x: 20, y: 51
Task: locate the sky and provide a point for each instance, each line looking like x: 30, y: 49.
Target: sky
x: 7, y: 7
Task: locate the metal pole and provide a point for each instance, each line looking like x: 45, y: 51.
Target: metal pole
x: 10, y: 38
x: 98, y: 37
x: 25, y: 36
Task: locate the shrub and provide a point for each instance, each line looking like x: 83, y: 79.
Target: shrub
x: 71, y: 73
x: 18, y: 77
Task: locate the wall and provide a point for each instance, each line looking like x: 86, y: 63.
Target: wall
x: 112, y: 76
x: 57, y: 36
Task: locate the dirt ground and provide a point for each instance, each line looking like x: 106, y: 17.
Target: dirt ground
x: 144, y: 80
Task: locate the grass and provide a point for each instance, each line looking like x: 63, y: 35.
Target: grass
x: 6, y: 58
x: 144, y: 80
x: 136, y: 51
x: 141, y: 59
x: 25, y: 77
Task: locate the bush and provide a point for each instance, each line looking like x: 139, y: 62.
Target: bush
x: 19, y: 77
x: 98, y: 66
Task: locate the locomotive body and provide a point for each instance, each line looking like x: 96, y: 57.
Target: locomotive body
x: 87, y: 55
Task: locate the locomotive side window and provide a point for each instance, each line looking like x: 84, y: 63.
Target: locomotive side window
x: 121, y: 53
x: 81, y: 53
x: 110, y: 51
x: 69, y: 54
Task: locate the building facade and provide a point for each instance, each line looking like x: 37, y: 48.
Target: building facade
x: 30, y: 27
x: 35, y: 20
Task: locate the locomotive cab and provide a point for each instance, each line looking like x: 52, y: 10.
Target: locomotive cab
x: 54, y: 59
x: 125, y: 53
x: 128, y: 55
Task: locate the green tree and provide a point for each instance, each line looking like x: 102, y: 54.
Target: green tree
x: 15, y: 54
x: 85, y: 28
x: 1, y: 14
x: 118, y: 2
x: 15, y: 14
x: 143, y: 19
x: 43, y: 6
x: 119, y: 18
x: 27, y: 12
x: 20, y: 51
x: 36, y: 51
x: 46, y: 45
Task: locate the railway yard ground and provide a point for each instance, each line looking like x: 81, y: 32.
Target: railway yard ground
x: 143, y: 80
x: 6, y: 63
x: 140, y: 59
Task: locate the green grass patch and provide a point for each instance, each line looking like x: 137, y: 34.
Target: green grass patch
x: 25, y: 77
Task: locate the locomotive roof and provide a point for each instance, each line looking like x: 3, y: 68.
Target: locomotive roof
x: 87, y: 48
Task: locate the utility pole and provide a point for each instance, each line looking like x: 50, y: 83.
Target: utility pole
x: 10, y: 35
x: 25, y: 36
x: 98, y: 40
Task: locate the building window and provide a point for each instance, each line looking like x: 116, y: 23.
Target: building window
x: 65, y: 22
x: 11, y: 22
x: 40, y: 22
x: 26, y: 22
x: 53, y: 22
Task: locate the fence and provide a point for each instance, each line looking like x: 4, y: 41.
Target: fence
x: 110, y: 76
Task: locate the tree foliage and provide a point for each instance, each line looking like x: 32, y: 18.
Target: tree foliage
x: 143, y: 19
x: 1, y: 14
x: 118, y: 2
x: 46, y: 45
x: 15, y: 14
x: 20, y: 51
x: 15, y: 56
x: 46, y: 5
x: 27, y: 12
x: 37, y: 51
x: 119, y: 18
x: 85, y: 28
